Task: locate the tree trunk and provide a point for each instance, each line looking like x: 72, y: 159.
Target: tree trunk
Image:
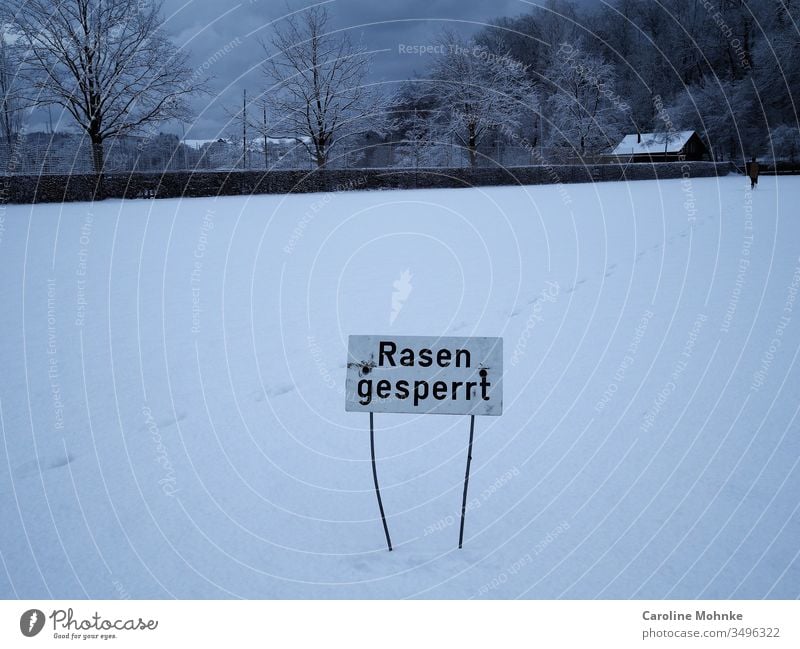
x: 472, y: 147
x: 321, y: 157
x: 97, y: 153
x: 98, y: 160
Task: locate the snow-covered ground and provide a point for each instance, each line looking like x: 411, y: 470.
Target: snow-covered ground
x: 173, y: 415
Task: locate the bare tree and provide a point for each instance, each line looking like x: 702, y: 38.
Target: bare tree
x: 106, y: 62
x: 10, y: 104
x: 318, y: 78
x: 478, y: 92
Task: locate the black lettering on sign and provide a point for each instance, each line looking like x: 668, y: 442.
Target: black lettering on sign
x: 402, y: 389
x: 463, y: 353
x: 386, y: 349
x: 365, y: 391
x: 425, y: 358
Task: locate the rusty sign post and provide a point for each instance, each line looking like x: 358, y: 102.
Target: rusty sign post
x: 424, y: 375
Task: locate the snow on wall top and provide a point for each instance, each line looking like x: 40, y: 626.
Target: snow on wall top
x: 652, y: 143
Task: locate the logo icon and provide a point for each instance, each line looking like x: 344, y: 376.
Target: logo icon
x: 31, y: 622
x: 402, y: 289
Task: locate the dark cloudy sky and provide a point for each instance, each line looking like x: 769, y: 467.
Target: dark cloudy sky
x: 204, y: 26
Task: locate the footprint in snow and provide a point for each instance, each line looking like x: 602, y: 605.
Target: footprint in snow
x: 361, y: 565
x: 278, y: 390
x: 46, y: 463
x: 170, y: 421
x: 574, y: 288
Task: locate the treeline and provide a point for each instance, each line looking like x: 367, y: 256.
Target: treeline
x: 729, y: 69
x: 562, y: 82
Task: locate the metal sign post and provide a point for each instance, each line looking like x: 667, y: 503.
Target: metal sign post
x: 466, y: 481
x: 424, y: 375
x: 375, y: 477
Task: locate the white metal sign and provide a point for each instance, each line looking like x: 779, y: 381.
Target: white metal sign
x: 425, y: 375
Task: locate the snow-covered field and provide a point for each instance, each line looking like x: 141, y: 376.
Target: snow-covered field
x: 172, y: 394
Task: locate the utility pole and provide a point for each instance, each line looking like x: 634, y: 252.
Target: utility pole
x: 244, y: 128
x: 183, y: 145
x: 266, y: 156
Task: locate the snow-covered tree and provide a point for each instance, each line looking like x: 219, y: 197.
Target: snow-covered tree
x: 585, y: 111
x: 777, y: 61
x: 786, y: 142
x: 417, y: 148
x: 726, y: 114
x: 414, y: 110
x: 477, y: 92
x: 319, y: 94
x: 105, y: 62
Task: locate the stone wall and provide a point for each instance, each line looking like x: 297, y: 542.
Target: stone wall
x: 63, y: 188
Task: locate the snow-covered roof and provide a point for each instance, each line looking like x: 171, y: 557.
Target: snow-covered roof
x: 652, y: 143
x: 197, y: 144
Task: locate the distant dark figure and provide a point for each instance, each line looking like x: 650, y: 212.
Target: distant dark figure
x: 752, y: 171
